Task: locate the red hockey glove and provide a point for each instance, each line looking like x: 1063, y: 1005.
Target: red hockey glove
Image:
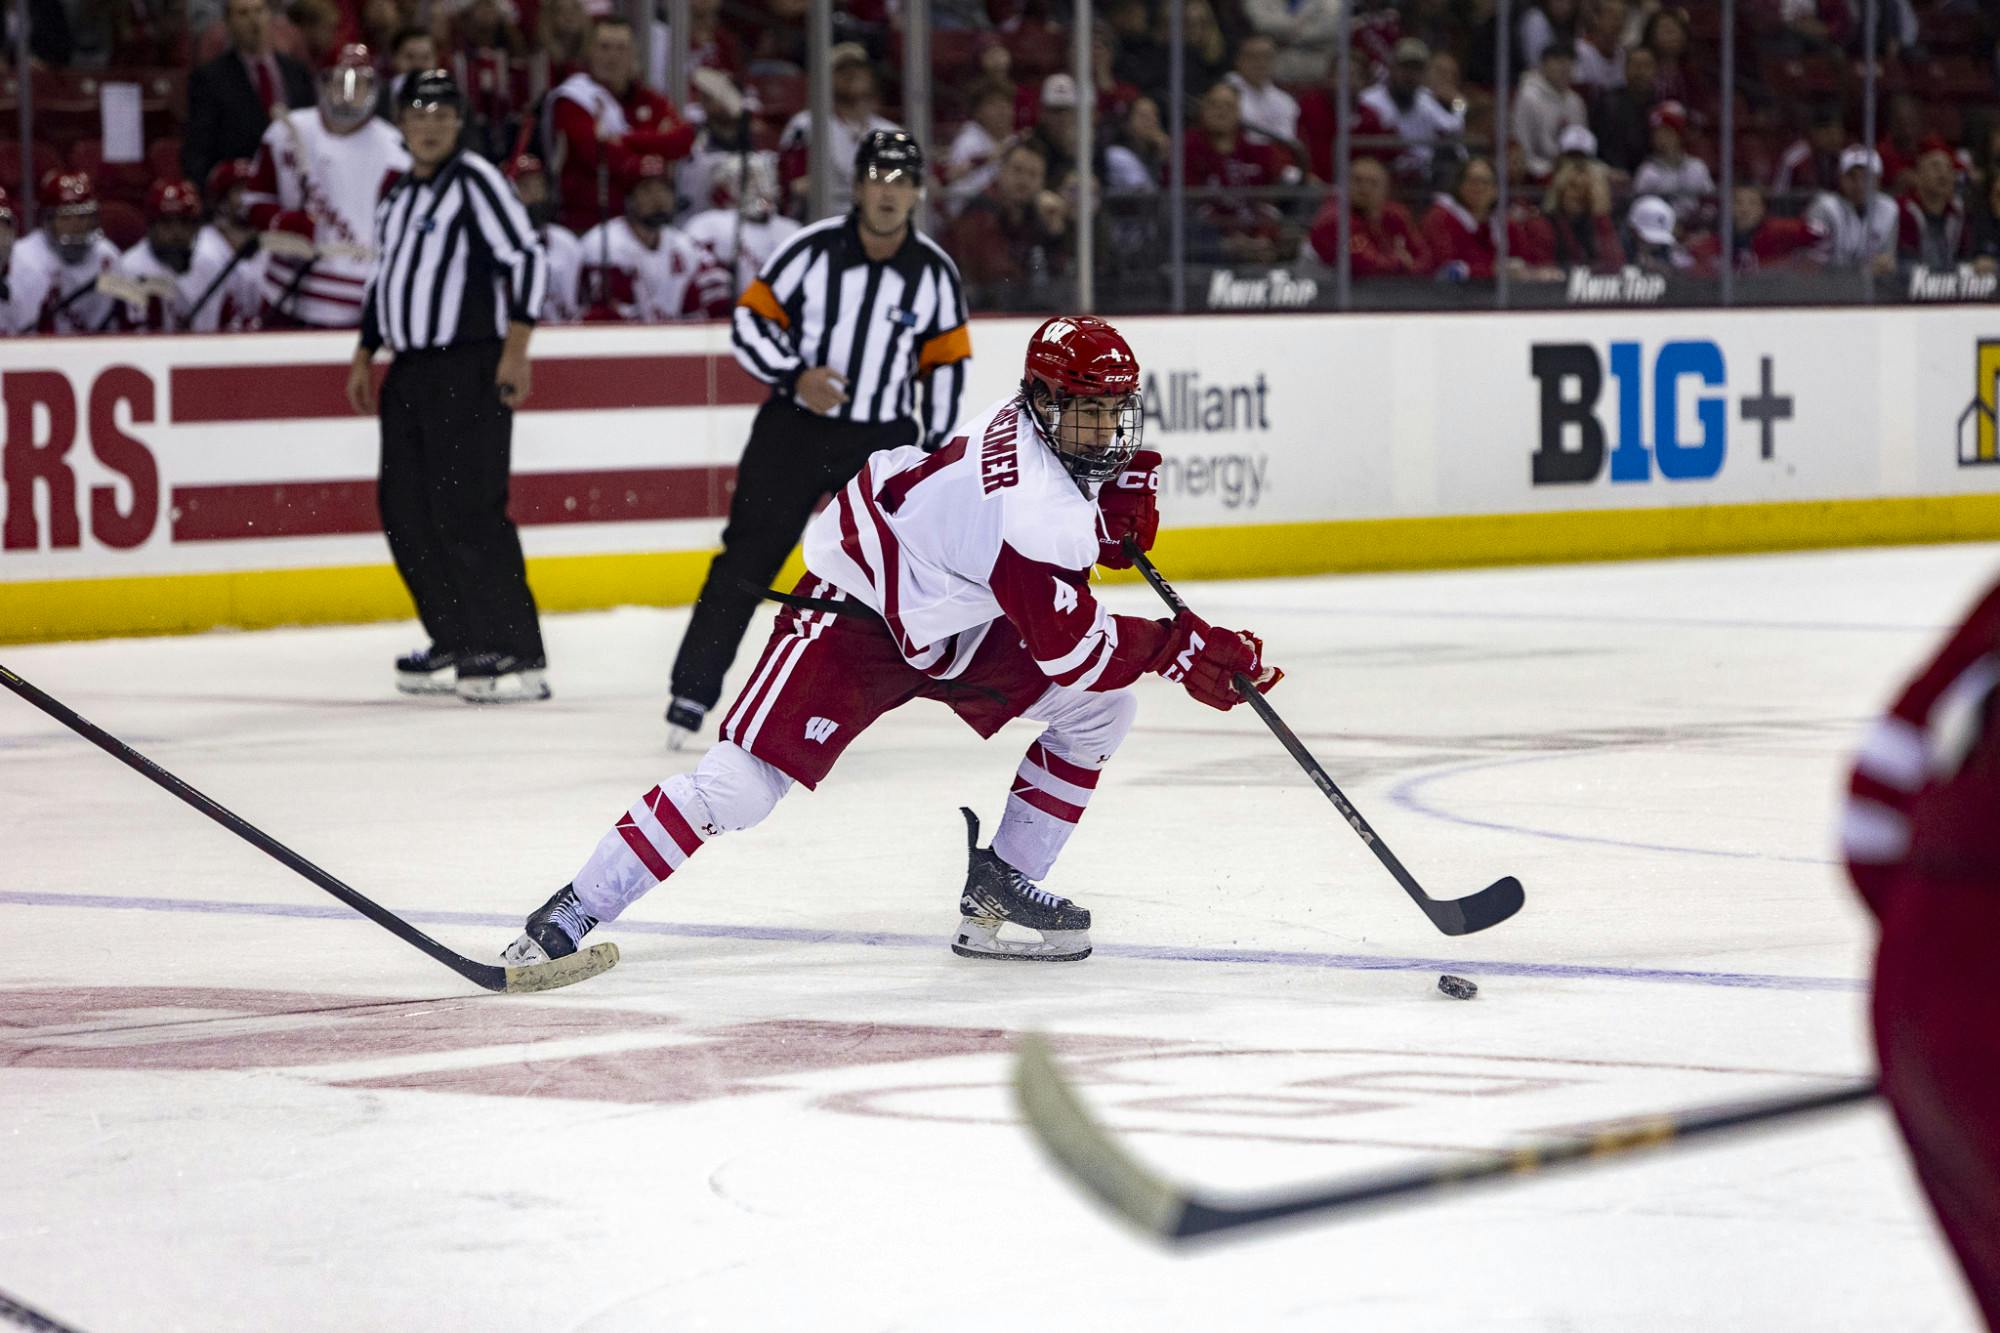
x: 1130, y: 505
x: 1205, y: 660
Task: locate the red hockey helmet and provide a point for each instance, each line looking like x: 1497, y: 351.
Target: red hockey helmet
x: 1075, y: 357
x: 229, y: 174
x: 646, y: 167
x: 172, y: 199
x: 66, y: 192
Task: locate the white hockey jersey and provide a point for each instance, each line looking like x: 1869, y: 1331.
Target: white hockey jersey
x: 239, y: 303
x: 991, y: 526
x: 714, y: 230
x: 167, y: 310
x: 337, y: 179
x: 45, y: 295
x: 673, y: 280
x: 565, y: 255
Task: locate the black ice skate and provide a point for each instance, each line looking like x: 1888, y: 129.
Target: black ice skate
x: 502, y: 678
x: 553, y: 931
x: 431, y: 670
x: 996, y: 895
x: 684, y: 719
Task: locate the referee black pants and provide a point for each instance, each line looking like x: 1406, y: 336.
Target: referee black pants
x: 447, y: 446
x: 794, y: 459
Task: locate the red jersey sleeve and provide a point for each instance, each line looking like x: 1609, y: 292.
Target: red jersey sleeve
x: 1901, y: 752
x: 1072, y: 638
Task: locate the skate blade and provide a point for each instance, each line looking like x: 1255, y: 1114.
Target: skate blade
x: 416, y: 682
x: 579, y: 966
x: 979, y: 939
x: 522, y: 687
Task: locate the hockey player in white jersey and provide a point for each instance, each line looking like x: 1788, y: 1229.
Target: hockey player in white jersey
x: 640, y: 268
x: 536, y: 191
x: 52, y: 279
x: 961, y: 576
x: 320, y: 173
x: 161, y: 271
x: 744, y: 228
x: 228, y: 251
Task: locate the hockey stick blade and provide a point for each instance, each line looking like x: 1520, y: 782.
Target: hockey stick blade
x: 1171, y: 1212
x: 515, y: 980
x: 1452, y: 916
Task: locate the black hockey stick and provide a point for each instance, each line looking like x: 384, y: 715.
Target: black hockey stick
x: 577, y: 967
x: 13, y: 1314
x: 1172, y: 1212
x: 1454, y: 916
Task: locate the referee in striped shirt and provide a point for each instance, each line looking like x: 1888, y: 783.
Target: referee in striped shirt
x: 456, y: 288
x: 845, y: 323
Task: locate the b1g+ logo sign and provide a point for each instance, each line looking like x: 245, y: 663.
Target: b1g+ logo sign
x: 1579, y: 433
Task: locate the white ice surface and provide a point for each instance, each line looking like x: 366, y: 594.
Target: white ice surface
x: 785, y: 1109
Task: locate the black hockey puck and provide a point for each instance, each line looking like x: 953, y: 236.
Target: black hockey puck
x: 1457, y: 987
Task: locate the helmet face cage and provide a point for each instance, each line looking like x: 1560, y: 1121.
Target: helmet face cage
x: 1086, y: 457
x: 347, y: 96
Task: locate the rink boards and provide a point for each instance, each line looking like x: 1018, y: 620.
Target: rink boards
x: 164, y: 485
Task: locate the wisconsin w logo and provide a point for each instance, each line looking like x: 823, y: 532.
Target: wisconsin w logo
x: 819, y: 728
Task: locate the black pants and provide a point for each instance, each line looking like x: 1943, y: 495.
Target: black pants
x: 447, y: 445
x: 794, y: 458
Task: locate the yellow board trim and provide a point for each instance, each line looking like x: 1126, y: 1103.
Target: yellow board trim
x: 258, y: 599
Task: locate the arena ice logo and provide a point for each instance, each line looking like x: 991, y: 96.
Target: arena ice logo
x: 1571, y: 378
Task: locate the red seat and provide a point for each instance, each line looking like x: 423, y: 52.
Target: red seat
x: 163, y: 158
x: 1039, y: 50
x: 779, y: 96
x: 115, y: 180
x: 44, y: 159
x: 123, y: 223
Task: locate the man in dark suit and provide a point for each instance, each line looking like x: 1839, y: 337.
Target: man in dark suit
x: 231, y: 98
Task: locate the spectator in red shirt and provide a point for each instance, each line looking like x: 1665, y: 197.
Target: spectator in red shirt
x: 1220, y: 156
x: 1012, y: 239
x: 1371, y: 135
x: 1811, y: 162
x: 1462, y: 232
x: 1932, y: 230
x: 710, y: 45
x: 1762, y: 241
x: 597, y: 124
x: 1898, y: 146
x: 1382, y: 240
x: 563, y: 36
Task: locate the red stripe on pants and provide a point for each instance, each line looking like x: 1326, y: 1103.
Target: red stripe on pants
x: 1047, y: 804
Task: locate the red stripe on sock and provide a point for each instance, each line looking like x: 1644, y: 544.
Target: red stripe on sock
x: 673, y: 821
x: 1072, y: 773
x: 648, y: 855
x: 1046, y: 803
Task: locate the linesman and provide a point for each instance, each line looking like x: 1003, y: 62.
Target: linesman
x: 845, y: 322
x: 458, y: 283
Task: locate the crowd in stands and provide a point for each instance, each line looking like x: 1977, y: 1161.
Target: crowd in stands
x: 1612, y: 133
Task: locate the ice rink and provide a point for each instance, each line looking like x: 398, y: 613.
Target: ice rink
x: 227, y: 1103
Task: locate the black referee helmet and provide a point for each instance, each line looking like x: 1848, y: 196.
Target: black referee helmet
x: 885, y: 153
x: 430, y: 88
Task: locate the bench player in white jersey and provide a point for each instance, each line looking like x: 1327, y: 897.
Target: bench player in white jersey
x: 227, y: 250
x: 741, y: 213
x: 642, y: 269
x: 162, y: 266
x: 320, y: 173
x: 536, y: 190
x: 961, y: 576
x: 52, y: 278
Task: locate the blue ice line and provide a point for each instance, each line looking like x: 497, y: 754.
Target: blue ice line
x: 892, y: 940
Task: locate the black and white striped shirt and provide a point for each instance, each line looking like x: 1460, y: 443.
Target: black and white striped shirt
x: 459, y: 260
x: 820, y: 301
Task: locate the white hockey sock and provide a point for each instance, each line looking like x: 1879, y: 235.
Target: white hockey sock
x: 1049, y: 795
x: 730, y: 789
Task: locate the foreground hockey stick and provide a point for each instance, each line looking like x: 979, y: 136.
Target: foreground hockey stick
x: 1454, y: 916
x: 13, y: 1314
x: 539, y: 976
x: 1087, y: 1153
